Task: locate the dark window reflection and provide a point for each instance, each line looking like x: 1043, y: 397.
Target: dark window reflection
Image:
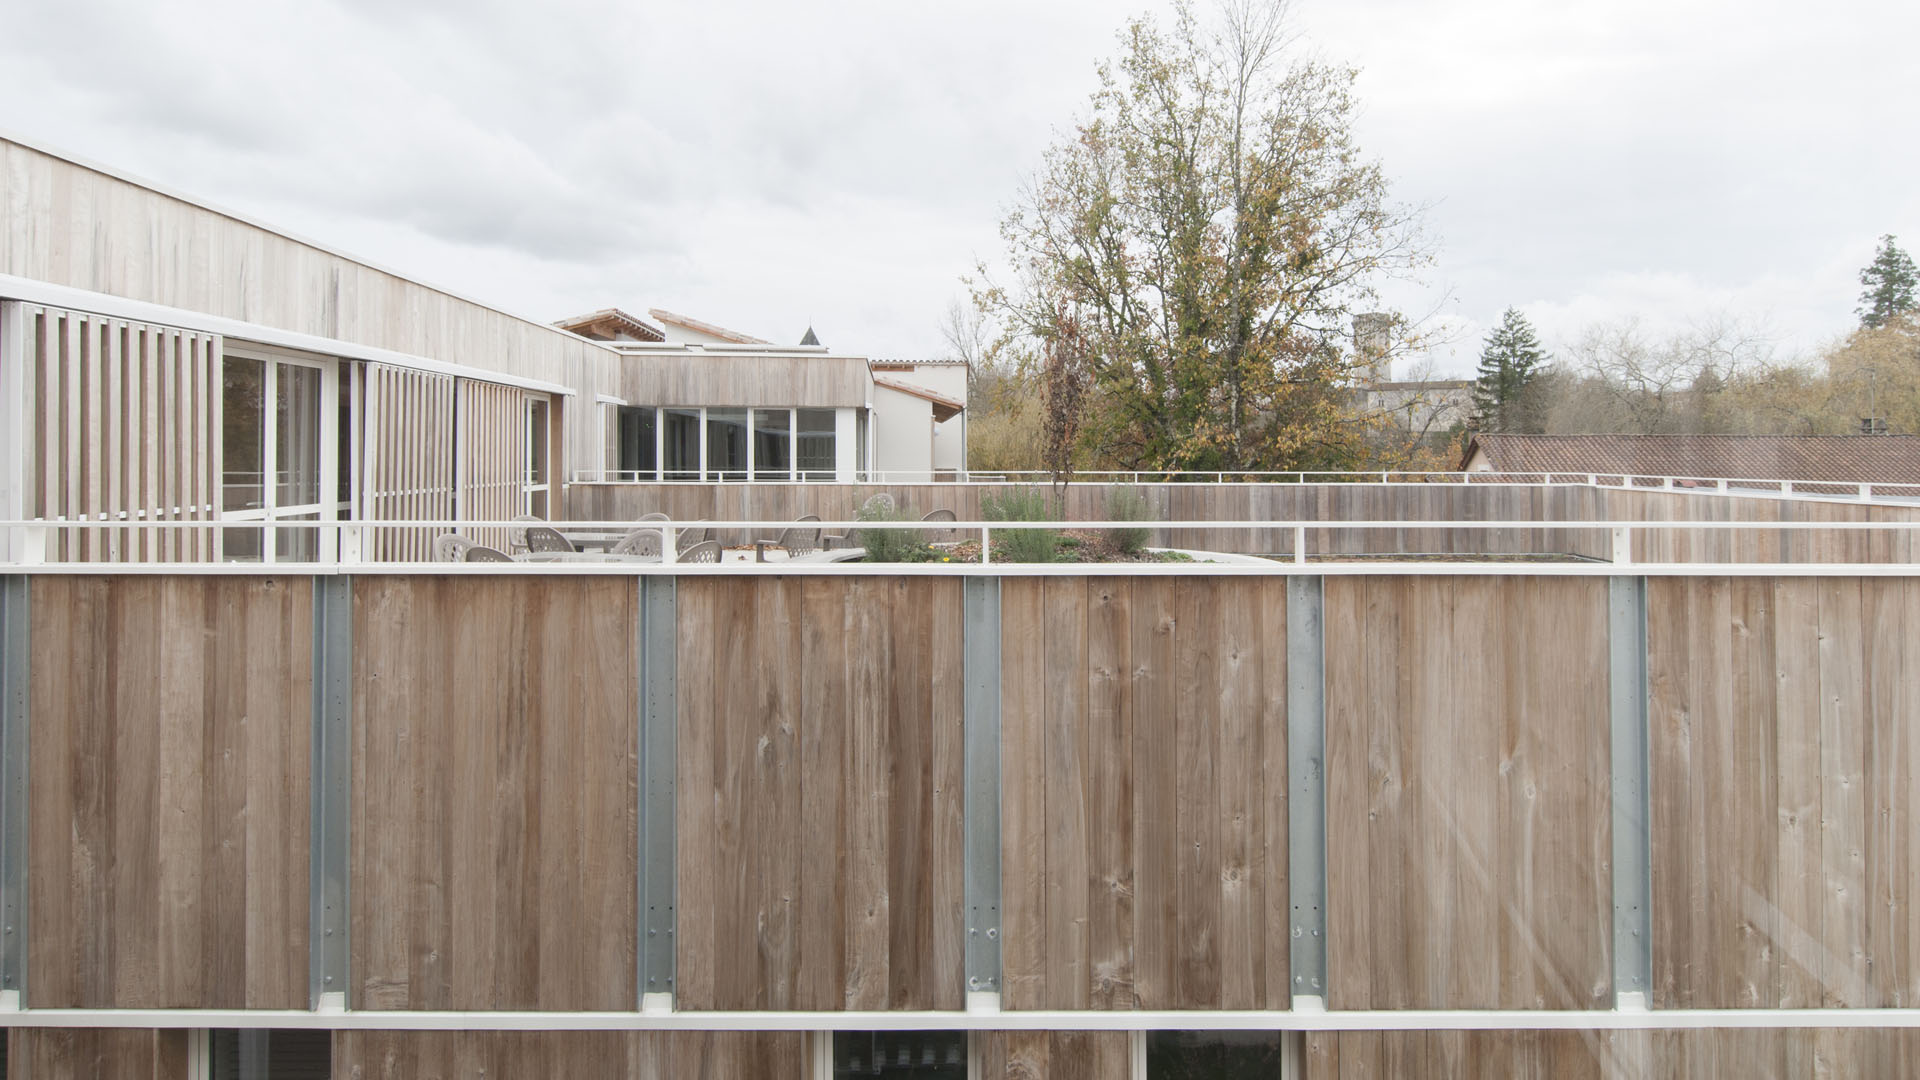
x: 1213, y: 1055
x: 900, y: 1055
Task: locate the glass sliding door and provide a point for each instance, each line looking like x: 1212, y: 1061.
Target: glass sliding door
x: 681, y: 443
x: 278, y: 456
x: 815, y: 444
x: 297, y: 443
x: 538, y: 485
x: 726, y: 444
x: 772, y: 445
x: 639, y: 439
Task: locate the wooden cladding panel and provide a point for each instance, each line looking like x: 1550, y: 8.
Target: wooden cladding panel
x: 407, y: 459
x: 1785, y: 742
x: 97, y: 1054
x: 126, y: 428
x: 1468, y: 830
x: 819, y: 786
x: 168, y: 810
x: 1143, y: 770
x: 602, y: 1055
x: 493, y: 457
x: 1052, y: 1055
x: 494, y: 772
x: 1427, y: 514
x: 1708, y: 1054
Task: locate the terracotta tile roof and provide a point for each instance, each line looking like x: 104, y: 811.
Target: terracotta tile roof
x: 1856, y: 459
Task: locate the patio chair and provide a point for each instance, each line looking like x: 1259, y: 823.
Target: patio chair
x: 691, y: 537
x: 517, y: 534
x: 547, y: 538
x: 706, y: 551
x: 451, y: 547
x: 482, y: 553
x: 794, y: 539
x: 932, y: 535
x: 639, y: 542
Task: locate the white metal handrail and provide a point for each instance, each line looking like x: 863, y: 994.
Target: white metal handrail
x: 27, y: 544
x: 1753, y: 487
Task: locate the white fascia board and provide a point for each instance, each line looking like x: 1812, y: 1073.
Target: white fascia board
x: 119, y: 307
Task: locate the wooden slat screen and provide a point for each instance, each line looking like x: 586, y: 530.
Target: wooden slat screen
x: 819, y: 794
x: 92, y: 1053
x: 1468, y: 805
x: 169, y: 757
x: 1708, y: 1054
x: 127, y: 422
x: 1053, y: 1055
x: 1143, y: 778
x: 407, y: 459
x: 1785, y: 745
x: 493, y: 457
x: 494, y: 861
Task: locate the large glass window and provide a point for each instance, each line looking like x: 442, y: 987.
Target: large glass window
x: 772, y: 444
x: 682, y: 443
x: 274, y: 450
x: 638, y: 437
x: 900, y: 1055
x: 537, y: 487
x: 1214, y: 1055
x: 726, y: 444
x: 815, y: 444
x: 278, y: 1054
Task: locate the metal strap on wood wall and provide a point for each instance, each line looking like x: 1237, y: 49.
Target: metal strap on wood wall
x: 1632, y: 843
x: 1306, y: 787
x: 15, y: 632
x: 657, y: 651
x: 981, y: 735
x: 332, y: 783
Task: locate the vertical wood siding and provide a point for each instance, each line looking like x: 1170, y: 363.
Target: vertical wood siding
x: 168, y: 806
x: 96, y: 1053
x: 1785, y: 731
x: 1468, y: 831
x: 126, y: 428
x: 819, y: 794
x: 494, y: 821
x: 1143, y: 771
x: 601, y: 1055
x: 1427, y: 513
x: 1052, y: 1055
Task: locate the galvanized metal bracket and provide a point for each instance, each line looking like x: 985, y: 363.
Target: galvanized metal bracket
x: 657, y: 656
x: 15, y: 656
x: 980, y: 710
x: 1632, y: 839
x: 332, y: 787
x: 1306, y: 786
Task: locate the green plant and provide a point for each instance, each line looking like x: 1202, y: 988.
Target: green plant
x: 1127, y: 503
x: 885, y: 545
x: 1022, y: 504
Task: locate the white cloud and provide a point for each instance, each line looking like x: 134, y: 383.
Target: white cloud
x: 770, y: 164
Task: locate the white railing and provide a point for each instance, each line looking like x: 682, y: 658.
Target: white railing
x: 28, y: 544
x: 1827, y: 490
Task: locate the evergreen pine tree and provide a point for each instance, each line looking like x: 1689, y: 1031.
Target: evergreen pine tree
x: 1889, y: 283
x: 1509, y: 361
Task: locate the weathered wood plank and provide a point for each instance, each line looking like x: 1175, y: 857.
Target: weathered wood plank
x: 1155, y: 688
x: 1110, y: 794
x: 1069, y: 981
x: 1023, y: 844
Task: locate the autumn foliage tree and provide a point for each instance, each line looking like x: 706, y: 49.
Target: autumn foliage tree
x: 1214, y: 226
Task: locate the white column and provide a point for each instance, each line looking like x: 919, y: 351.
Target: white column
x: 845, y: 462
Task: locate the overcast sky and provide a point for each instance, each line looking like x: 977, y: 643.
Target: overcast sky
x: 766, y: 165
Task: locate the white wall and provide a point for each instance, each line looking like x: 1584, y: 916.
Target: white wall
x: 902, y: 434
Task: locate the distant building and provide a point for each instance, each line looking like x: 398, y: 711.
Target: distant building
x: 1851, y: 459
x: 1425, y: 407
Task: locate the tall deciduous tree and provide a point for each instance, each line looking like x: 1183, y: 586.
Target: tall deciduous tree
x: 1887, y: 286
x: 1214, y: 226
x: 1509, y: 362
